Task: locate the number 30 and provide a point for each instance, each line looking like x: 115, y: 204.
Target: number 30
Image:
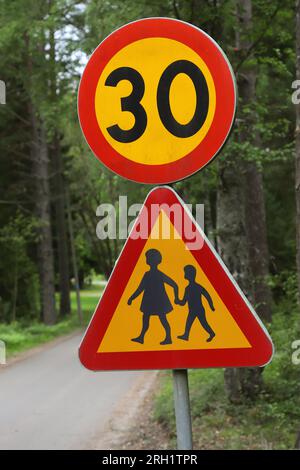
x: 132, y: 103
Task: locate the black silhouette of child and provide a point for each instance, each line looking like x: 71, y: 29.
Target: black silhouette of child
x: 193, y: 297
x: 155, y: 300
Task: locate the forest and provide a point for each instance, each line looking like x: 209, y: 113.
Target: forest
x: 51, y: 186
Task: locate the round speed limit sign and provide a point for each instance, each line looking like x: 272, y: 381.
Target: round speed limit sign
x: 157, y: 100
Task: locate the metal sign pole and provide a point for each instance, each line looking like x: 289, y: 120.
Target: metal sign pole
x: 182, y: 409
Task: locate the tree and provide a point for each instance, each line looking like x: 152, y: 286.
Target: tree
x: 57, y: 162
x: 35, y: 41
x: 297, y: 144
x: 297, y: 162
x: 42, y: 210
x: 22, y: 31
x: 254, y: 270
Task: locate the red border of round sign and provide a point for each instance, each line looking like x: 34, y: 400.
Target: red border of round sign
x: 226, y: 97
x: 262, y: 347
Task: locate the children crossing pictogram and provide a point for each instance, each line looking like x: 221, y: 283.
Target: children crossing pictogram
x: 193, y: 297
x: 155, y: 298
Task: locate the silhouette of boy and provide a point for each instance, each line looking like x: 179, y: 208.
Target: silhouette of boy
x: 193, y: 297
x: 155, y: 300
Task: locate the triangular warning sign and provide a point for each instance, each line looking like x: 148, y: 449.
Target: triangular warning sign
x: 170, y: 301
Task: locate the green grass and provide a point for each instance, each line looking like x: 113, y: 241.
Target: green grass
x: 269, y: 422
x: 20, y: 336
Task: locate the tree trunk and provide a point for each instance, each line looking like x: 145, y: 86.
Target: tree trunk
x: 45, y: 248
x: 232, y: 244
x: 297, y: 163
x: 297, y: 144
x: 241, y: 211
x: 257, y: 241
x: 231, y: 224
x: 74, y: 258
x: 60, y: 199
x: 15, y: 290
x: 255, y: 217
x: 61, y: 229
x: 297, y: 443
x: 254, y: 193
x: 40, y: 168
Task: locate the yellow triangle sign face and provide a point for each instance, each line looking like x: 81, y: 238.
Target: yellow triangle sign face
x: 170, y: 305
x: 127, y: 320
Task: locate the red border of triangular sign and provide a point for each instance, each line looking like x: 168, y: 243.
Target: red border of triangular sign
x: 261, y: 350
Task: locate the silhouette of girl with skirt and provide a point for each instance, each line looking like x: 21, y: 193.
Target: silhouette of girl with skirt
x: 155, y: 300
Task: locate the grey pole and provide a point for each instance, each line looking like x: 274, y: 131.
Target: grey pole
x: 182, y: 410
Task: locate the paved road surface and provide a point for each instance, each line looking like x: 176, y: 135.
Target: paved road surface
x: 49, y: 401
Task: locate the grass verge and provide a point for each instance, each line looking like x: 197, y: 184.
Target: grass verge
x: 269, y: 422
x: 20, y: 336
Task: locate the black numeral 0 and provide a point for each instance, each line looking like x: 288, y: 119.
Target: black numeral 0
x: 163, y: 98
x: 132, y: 103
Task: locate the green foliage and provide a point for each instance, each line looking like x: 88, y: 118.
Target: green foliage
x: 19, y: 284
x: 285, y: 287
x: 18, y: 337
x: 22, y: 335
x: 44, y: 70
x: 271, y: 422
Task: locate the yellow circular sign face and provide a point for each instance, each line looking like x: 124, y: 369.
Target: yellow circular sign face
x: 128, y: 92
x: 157, y: 100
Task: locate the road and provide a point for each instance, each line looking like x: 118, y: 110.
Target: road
x: 49, y: 401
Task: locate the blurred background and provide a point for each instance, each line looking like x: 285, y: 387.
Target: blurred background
x: 52, y: 265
